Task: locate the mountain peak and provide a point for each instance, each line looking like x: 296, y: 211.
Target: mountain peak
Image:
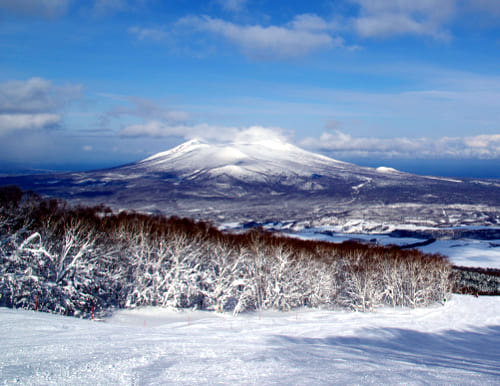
x: 185, y: 147
x: 246, y: 156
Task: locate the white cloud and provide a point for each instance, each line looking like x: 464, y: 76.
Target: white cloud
x: 337, y: 142
x: 203, y: 131
x: 258, y: 133
x: 313, y: 22
x: 154, y: 129
x: 148, y: 110
x: 36, y: 8
x: 333, y: 141
x: 35, y: 95
x: 309, y: 32
x: 21, y: 122
x: 383, y: 18
x: 294, y: 39
x: 32, y: 104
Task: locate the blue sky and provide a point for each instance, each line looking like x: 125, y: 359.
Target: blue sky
x: 103, y: 82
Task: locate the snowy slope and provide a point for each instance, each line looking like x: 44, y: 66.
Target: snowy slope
x: 458, y: 343
x: 256, y: 159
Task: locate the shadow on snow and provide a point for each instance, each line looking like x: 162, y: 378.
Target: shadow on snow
x: 475, y: 352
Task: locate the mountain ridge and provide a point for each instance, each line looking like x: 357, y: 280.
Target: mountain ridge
x: 272, y: 180
x: 271, y: 156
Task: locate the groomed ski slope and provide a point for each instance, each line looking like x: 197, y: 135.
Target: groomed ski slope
x: 456, y: 343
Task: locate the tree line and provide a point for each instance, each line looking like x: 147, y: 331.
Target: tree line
x: 78, y: 260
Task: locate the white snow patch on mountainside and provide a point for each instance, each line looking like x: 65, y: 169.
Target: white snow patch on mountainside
x: 455, y: 343
x: 444, y: 179
x: 272, y: 157
x: 385, y: 169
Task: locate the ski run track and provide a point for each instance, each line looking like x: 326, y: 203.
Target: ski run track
x: 453, y: 343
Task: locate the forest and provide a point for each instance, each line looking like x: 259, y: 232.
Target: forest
x: 86, y: 261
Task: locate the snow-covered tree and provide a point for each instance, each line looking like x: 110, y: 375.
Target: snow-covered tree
x: 73, y: 260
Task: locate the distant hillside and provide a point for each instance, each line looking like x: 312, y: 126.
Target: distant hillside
x: 273, y: 181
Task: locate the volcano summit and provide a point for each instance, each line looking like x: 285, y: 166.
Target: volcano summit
x: 274, y: 181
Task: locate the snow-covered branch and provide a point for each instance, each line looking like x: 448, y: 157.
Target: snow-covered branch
x: 72, y: 260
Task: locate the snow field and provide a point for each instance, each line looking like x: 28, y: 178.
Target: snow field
x: 468, y: 252
x: 463, y: 252
x: 454, y: 343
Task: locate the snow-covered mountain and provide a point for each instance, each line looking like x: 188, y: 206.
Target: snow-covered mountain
x: 224, y: 169
x: 271, y: 180
x: 256, y: 161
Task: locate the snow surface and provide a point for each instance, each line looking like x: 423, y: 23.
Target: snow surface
x: 385, y: 169
x: 455, y: 343
x: 468, y: 252
x: 463, y: 252
x: 241, y: 158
